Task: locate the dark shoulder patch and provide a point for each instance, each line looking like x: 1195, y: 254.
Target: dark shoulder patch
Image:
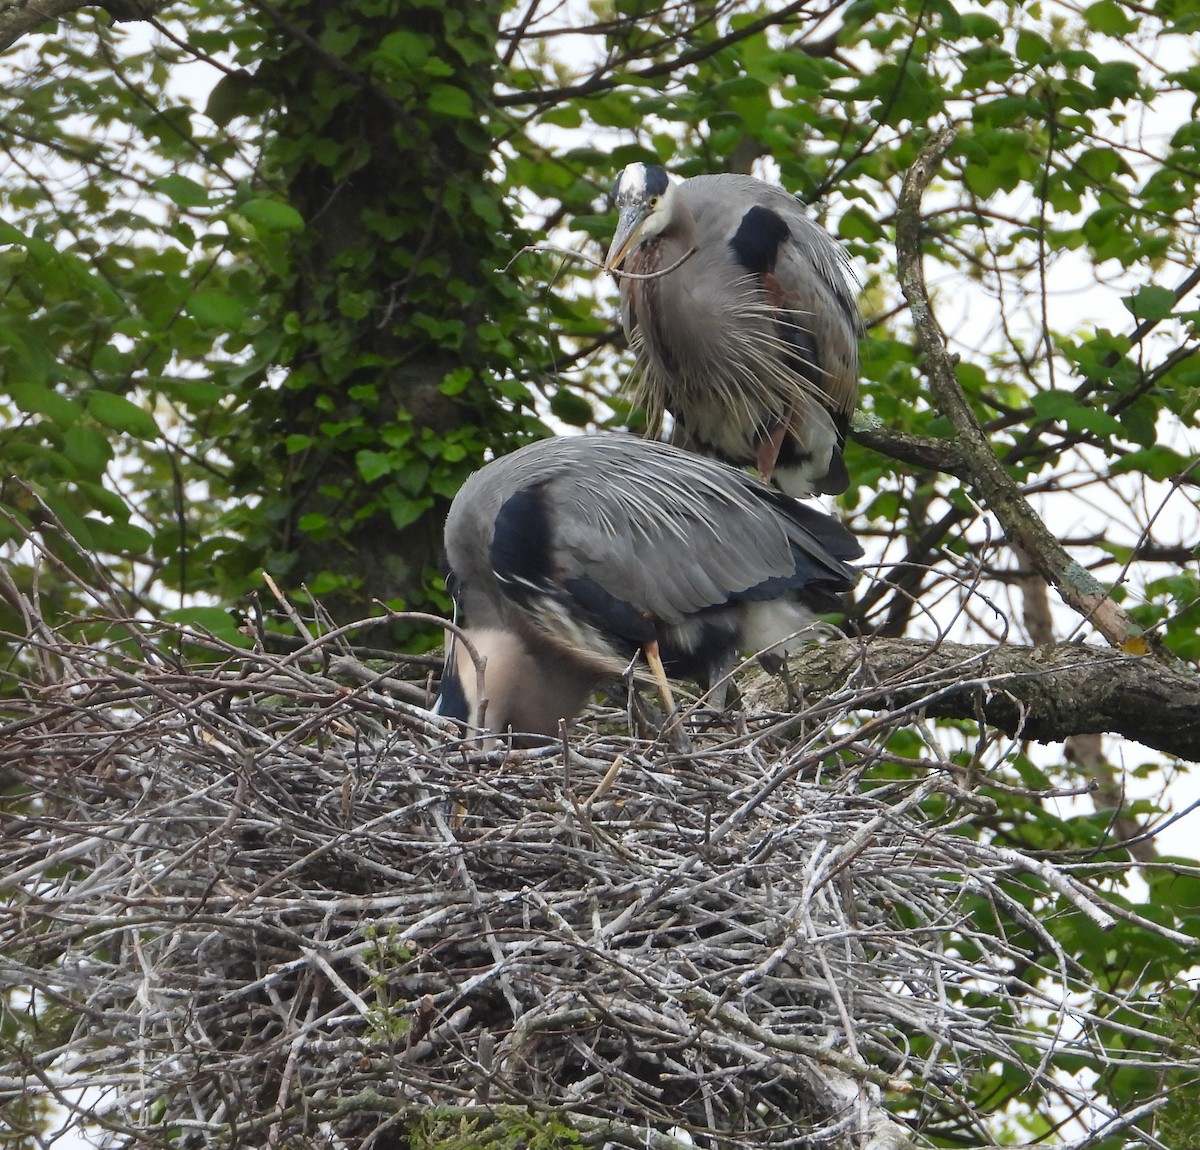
x: 756, y: 243
x: 521, y: 545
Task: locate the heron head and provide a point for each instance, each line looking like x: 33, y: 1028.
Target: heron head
x: 645, y: 199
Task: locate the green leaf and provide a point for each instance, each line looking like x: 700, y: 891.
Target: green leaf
x: 104, y: 501
x: 450, y: 101
x: 1158, y: 462
x: 1063, y: 406
x: 1031, y: 775
x: 373, y: 465
x: 907, y: 92
x: 212, y: 620
x: 313, y: 523
x: 200, y: 394
x: 980, y: 26
x: 34, y: 399
x: 119, y: 538
x: 998, y: 160
x: 564, y: 116
x: 119, y: 414
x: 183, y: 192
x: 1100, y: 164
x: 455, y: 381
x: 412, y: 476
x: 1031, y: 48
x: 1117, y: 81
x: 858, y: 224
x: 408, y: 49
x: 273, y: 215
x: 614, y: 110
x: 236, y: 94
x: 1151, y: 303
x: 573, y: 409
x: 87, y: 449
x: 405, y: 512
x: 214, y: 308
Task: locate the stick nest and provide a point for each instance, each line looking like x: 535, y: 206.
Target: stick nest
x: 248, y: 905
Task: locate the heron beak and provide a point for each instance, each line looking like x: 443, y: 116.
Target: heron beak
x: 629, y: 232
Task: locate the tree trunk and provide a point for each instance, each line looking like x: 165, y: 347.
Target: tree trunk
x: 384, y: 144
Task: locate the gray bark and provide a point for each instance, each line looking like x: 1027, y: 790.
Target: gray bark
x: 1042, y: 693
x: 21, y: 17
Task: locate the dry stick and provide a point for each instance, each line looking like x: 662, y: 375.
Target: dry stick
x: 1077, y: 587
x: 313, y: 643
x: 275, y: 1134
x: 616, y: 273
x: 538, y: 888
x: 791, y: 1042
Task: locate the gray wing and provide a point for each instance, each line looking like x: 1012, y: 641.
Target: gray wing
x: 718, y: 203
x: 813, y: 270
x: 665, y: 531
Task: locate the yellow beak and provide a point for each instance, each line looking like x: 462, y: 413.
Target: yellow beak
x: 628, y: 234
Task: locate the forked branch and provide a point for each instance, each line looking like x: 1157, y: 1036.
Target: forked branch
x: 1021, y: 524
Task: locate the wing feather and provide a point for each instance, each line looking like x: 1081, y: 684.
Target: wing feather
x: 665, y: 530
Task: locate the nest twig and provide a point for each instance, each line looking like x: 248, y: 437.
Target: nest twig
x: 247, y: 905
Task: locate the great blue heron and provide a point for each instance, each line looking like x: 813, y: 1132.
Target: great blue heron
x: 572, y: 554
x: 747, y: 328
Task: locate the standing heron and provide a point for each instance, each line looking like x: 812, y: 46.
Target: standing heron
x: 744, y: 324
x: 572, y: 555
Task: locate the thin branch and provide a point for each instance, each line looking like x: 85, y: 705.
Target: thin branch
x: 1077, y: 587
x: 617, y: 75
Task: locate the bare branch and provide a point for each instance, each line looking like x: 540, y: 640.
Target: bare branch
x: 1077, y: 587
x: 1047, y: 693
x: 21, y: 17
x: 279, y: 907
x: 617, y: 73
x: 916, y: 450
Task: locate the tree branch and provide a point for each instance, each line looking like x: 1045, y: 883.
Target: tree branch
x: 1043, y: 693
x: 1077, y: 587
x: 614, y: 73
x: 24, y: 16
x: 21, y: 17
x: 916, y: 450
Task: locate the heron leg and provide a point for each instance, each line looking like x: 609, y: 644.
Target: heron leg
x: 795, y: 693
x: 719, y: 683
x: 642, y: 715
x: 769, y: 447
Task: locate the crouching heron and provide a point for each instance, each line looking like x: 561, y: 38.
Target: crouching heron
x: 746, y: 329
x: 572, y: 555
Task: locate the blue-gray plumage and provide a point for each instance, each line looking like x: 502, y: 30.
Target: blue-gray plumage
x: 751, y: 342
x: 572, y: 554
